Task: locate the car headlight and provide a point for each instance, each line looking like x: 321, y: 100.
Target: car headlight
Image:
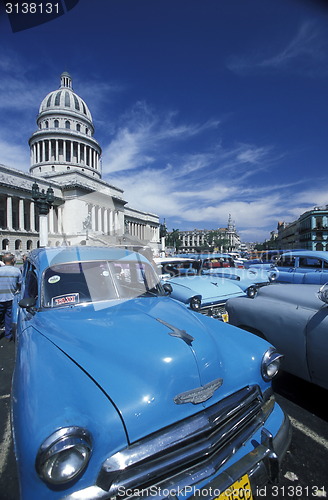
x: 195, y: 303
x: 251, y: 292
x: 323, y: 293
x: 270, y: 364
x: 64, y: 455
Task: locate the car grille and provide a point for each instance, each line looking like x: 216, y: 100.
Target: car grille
x: 215, y: 310
x: 188, y: 451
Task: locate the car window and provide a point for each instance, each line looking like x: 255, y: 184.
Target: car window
x: 310, y: 262
x: 286, y: 261
x: 31, y: 284
x: 73, y: 283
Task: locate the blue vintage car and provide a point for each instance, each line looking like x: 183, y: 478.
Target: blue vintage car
x: 301, y: 266
x: 224, y: 266
x: 206, y: 288
x: 119, y: 390
x: 294, y: 318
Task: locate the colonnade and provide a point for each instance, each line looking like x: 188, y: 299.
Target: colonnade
x: 63, y: 150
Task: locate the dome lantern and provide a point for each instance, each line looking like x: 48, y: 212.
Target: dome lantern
x: 66, y: 80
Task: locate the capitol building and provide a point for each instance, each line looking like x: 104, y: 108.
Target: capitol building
x: 66, y: 158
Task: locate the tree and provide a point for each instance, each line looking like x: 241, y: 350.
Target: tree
x: 172, y: 239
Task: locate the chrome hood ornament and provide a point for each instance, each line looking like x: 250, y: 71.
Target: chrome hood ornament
x: 176, y: 332
x: 200, y: 394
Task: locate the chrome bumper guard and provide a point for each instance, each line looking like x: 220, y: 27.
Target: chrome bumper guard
x: 261, y: 465
x: 214, y: 310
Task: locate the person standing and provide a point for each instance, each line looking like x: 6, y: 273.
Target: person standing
x: 10, y: 281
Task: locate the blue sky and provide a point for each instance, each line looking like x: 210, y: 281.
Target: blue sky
x: 202, y: 107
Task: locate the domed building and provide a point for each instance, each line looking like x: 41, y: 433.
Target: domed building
x: 66, y: 157
x: 64, y: 139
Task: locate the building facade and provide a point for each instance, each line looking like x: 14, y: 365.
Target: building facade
x: 222, y: 239
x: 67, y: 158
x: 309, y: 231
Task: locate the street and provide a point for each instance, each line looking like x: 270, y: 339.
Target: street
x: 304, y: 469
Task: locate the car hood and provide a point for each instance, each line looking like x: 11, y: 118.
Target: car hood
x: 211, y: 288
x: 142, y: 353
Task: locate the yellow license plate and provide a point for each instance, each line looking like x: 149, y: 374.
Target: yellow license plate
x: 225, y: 317
x: 239, y: 490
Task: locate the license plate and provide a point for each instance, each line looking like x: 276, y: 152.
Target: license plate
x: 239, y: 490
x: 225, y: 317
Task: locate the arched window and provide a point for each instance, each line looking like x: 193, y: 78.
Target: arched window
x: 67, y: 124
x: 5, y: 244
x: 77, y: 106
x: 57, y: 99
x: 56, y: 123
x: 46, y: 124
x: 78, y: 127
x: 67, y: 100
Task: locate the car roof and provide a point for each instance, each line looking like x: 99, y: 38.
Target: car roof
x: 307, y: 253
x: 45, y: 257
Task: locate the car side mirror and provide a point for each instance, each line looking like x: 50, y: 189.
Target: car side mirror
x: 27, y: 303
x: 168, y: 288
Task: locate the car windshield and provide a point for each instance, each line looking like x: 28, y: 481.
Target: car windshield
x: 93, y: 281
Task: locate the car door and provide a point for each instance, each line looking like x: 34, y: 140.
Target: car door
x: 317, y: 346
x: 286, y: 268
x: 311, y: 269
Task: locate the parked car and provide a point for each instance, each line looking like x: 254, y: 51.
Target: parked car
x: 206, y: 288
x: 262, y: 257
x: 118, y: 389
x: 302, y: 266
x: 225, y: 266
x: 202, y: 292
x: 294, y: 318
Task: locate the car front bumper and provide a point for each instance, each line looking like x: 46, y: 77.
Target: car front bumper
x: 262, y: 466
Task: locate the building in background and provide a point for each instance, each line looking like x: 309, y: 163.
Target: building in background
x: 222, y: 239
x: 309, y: 231
x: 66, y: 157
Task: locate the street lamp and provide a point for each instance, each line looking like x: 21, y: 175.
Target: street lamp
x: 43, y: 201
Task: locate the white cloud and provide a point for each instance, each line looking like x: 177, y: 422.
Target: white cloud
x: 305, y: 53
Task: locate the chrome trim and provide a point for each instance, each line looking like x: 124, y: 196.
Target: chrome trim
x: 214, y: 310
x: 255, y: 463
x: 188, y: 451
x: 199, y: 394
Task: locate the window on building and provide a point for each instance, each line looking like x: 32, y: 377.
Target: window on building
x: 67, y: 124
x: 57, y: 98
x: 56, y: 123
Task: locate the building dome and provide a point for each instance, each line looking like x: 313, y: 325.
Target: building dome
x: 64, y: 140
x: 65, y: 99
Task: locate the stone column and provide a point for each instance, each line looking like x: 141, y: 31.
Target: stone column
x: 21, y: 224
x: 32, y: 217
x: 9, y: 212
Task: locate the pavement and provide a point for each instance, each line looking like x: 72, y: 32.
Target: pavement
x: 8, y: 472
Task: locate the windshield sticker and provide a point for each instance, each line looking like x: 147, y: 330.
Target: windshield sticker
x: 54, y: 279
x: 63, y: 300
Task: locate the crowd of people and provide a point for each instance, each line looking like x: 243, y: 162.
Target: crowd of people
x: 10, y: 282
